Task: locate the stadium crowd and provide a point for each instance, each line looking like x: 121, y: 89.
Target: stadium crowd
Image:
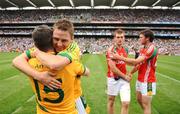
x: 93, y: 45
x: 98, y: 15
x: 15, y: 44
x: 94, y: 32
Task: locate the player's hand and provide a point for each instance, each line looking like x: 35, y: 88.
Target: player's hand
x: 49, y: 81
x: 53, y: 73
x: 128, y: 78
x: 129, y: 74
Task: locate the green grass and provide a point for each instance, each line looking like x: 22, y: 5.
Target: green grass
x: 16, y: 94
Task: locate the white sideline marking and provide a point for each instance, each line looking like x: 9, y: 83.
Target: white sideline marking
x: 1, y: 62
x: 168, y: 62
x: 11, y: 77
x: 19, y: 108
x: 165, y: 76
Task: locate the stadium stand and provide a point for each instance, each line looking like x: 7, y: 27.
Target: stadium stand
x: 93, y: 26
x: 92, y: 45
x: 101, y: 15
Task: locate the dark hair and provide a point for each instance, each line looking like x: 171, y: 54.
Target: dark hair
x: 65, y: 25
x: 42, y: 36
x: 148, y: 34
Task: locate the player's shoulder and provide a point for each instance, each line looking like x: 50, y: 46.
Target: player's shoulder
x: 72, y: 47
x: 126, y: 49
x: 108, y: 52
x: 110, y: 49
x: 141, y: 48
x: 29, y: 51
x: 151, y: 48
x: 32, y: 49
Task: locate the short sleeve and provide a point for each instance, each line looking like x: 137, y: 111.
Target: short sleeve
x: 72, y: 52
x: 108, y: 53
x: 80, y: 68
x: 151, y: 52
x: 66, y: 54
x: 28, y: 52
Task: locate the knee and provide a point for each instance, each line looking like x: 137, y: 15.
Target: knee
x: 138, y: 99
x: 111, y: 102
x: 125, y: 105
x: 145, y: 105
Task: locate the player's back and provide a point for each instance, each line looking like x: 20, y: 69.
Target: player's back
x: 60, y: 100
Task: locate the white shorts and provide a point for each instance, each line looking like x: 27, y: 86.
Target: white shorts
x: 81, y: 105
x: 116, y: 87
x: 146, y: 88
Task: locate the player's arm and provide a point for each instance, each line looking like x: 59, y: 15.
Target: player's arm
x: 81, y: 70
x: 150, y: 53
x: 129, y: 61
x: 55, y: 62
x: 21, y: 63
x: 129, y: 64
x: 132, y: 61
x: 135, y: 68
x: 116, y: 71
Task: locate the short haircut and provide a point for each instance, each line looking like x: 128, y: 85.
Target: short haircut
x: 65, y: 25
x: 42, y: 36
x: 148, y: 34
x: 119, y: 31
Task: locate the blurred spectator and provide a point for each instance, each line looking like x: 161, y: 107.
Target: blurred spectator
x: 14, y: 44
x: 92, y: 15
x: 94, y: 45
x: 96, y: 32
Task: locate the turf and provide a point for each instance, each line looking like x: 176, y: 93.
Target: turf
x: 16, y: 95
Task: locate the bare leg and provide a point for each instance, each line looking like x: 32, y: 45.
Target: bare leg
x: 124, y: 107
x: 146, y: 103
x: 111, y: 100
x: 139, y: 98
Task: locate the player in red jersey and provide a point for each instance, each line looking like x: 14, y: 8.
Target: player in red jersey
x: 118, y: 81
x: 146, y: 66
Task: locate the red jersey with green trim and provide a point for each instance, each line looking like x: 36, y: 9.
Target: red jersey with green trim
x: 146, y: 72
x: 121, y: 65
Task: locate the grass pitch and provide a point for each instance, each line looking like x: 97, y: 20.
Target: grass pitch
x: 16, y: 96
